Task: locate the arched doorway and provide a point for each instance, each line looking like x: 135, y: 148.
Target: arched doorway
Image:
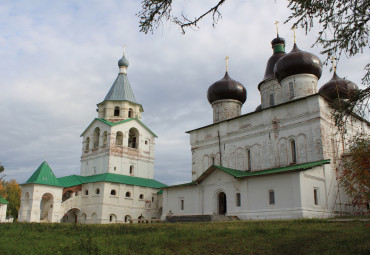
x: 46, y: 207
x: 71, y: 216
x: 222, y: 208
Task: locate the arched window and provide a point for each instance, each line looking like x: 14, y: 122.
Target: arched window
x: 105, y: 138
x: 112, y: 218
x: 113, y: 192
x: 131, y: 169
x: 141, y: 196
x: 86, y: 192
x: 116, y: 111
x: 249, y: 159
x: 128, y: 194
x: 293, y: 151
x: 87, y: 144
x: 96, y: 136
x: 212, y: 161
x: 119, y: 138
x: 97, y: 191
x: 130, y: 113
x: 133, y: 139
x: 127, y: 218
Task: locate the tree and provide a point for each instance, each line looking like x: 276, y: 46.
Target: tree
x: 13, y: 196
x: 355, y: 171
x: 2, y: 169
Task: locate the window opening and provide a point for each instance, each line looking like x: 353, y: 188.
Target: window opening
x: 271, y: 99
x: 131, y: 169
x: 97, y: 191
x: 238, y: 199
x: 87, y: 144
x: 141, y: 196
x: 116, y: 111
x: 271, y: 197
x: 315, y: 196
x: 113, y: 192
x: 128, y: 194
x: 182, y: 204
x: 105, y: 138
x: 212, y: 160
x: 293, y: 149
x: 119, y: 138
x: 130, y: 113
x: 86, y: 192
x: 133, y: 138
x: 152, y: 199
x: 291, y: 89
x: 249, y: 160
x: 96, y: 136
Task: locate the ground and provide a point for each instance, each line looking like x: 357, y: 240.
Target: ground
x: 241, y: 237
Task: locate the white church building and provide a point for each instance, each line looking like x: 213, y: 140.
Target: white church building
x: 278, y: 162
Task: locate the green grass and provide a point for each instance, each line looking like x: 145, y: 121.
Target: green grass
x: 240, y: 237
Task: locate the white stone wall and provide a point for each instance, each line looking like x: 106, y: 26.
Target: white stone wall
x: 266, y: 134
x: 226, y: 109
x: 32, y: 210
x: 106, y: 110
x: 3, y: 208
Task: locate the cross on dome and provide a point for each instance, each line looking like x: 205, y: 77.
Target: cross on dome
x: 227, y: 63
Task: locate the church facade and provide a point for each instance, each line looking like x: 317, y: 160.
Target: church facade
x: 116, y: 182
x: 279, y: 162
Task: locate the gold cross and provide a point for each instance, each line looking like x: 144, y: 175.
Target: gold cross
x: 294, y: 28
x: 227, y: 63
x: 124, y: 49
x: 333, y: 62
x: 277, y: 27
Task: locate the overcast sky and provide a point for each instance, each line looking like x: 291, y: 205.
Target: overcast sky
x: 59, y: 59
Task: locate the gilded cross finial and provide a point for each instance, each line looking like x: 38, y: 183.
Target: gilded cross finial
x: 124, y: 49
x: 277, y: 28
x: 227, y: 63
x: 294, y: 28
x: 334, y: 64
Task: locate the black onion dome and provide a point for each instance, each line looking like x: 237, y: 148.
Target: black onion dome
x: 338, y: 87
x: 297, y: 62
x: 226, y: 88
x: 278, y: 53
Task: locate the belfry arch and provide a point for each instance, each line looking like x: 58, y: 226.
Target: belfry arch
x: 133, y: 139
x: 46, y: 207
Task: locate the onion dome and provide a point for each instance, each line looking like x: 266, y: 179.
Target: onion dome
x: 123, y: 62
x: 278, y: 45
x: 226, y: 88
x: 297, y: 62
x: 338, y: 87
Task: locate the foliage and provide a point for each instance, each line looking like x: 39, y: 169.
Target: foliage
x: 154, y: 12
x: 355, y: 167
x: 2, y: 169
x: 11, y: 191
x: 249, y: 237
x: 344, y: 29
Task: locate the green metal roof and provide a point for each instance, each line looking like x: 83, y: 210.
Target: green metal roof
x: 111, y: 124
x: 121, y: 90
x: 3, y: 201
x: 243, y: 174
x: 74, y: 180
x: 44, y: 175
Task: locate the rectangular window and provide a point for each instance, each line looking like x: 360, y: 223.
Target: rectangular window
x: 316, y: 196
x: 271, y: 197
x: 294, y: 154
x: 182, y: 204
x: 249, y: 160
x: 238, y: 200
x: 291, y: 89
x: 272, y: 100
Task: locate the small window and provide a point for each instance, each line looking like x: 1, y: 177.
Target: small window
x: 127, y: 218
x: 76, y: 194
x: 116, y: 111
x: 87, y: 143
x: 152, y: 199
x: 293, y: 150
x: 128, y: 194
x: 249, y: 160
x: 130, y: 113
x: 212, y: 160
x: 97, y: 191
x: 182, y: 204
x: 110, y: 218
x: 141, y: 196
x: 316, y: 196
x: 271, y: 197
x: 131, y: 169
x: 238, y: 200
x: 272, y: 100
x: 146, y: 142
x: 115, y: 168
x: 86, y: 192
x: 113, y: 192
x: 291, y: 89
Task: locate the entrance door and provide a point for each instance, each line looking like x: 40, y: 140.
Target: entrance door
x: 222, y: 203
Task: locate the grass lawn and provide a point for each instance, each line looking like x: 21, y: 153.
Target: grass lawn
x: 237, y: 237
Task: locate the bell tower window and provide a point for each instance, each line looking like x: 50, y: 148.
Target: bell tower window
x: 116, y: 111
x: 293, y: 151
x: 96, y: 137
x: 133, y: 138
x: 130, y: 111
x: 119, y: 138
